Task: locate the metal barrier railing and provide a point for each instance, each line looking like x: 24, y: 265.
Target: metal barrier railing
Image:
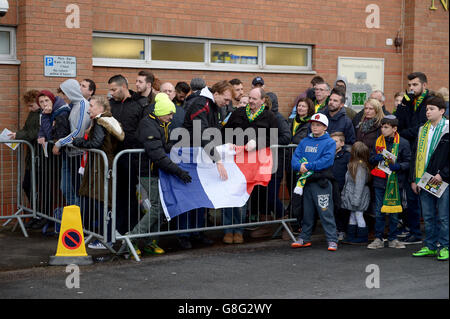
x: 17, y: 182
x: 75, y: 177
x: 123, y: 204
x: 134, y: 219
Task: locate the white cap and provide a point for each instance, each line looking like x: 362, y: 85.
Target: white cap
x: 319, y: 117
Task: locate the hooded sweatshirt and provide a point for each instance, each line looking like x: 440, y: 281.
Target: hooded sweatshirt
x: 318, y: 151
x: 79, y: 118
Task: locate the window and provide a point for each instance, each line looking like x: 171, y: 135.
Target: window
x: 181, y: 51
x: 7, y: 45
x: 286, y: 56
x: 235, y: 54
x: 199, y: 54
x: 118, y: 48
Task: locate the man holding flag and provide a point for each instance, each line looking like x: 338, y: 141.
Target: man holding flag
x: 153, y: 133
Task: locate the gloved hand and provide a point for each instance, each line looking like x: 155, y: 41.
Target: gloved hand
x: 394, y: 167
x: 378, y: 158
x: 184, y: 176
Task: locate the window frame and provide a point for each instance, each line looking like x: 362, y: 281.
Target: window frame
x: 206, y: 65
x: 289, y: 67
x: 10, y: 58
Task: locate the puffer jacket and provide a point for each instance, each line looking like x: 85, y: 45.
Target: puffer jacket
x: 356, y: 193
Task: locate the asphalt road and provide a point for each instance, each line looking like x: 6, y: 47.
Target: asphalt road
x: 263, y: 270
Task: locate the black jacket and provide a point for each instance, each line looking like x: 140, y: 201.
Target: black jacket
x: 266, y: 120
x: 341, y: 160
x: 409, y: 121
x: 202, y: 110
x: 438, y: 163
x: 154, y: 138
x: 284, y: 136
x: 300, y: 133
x: 128, y: 113
x: 403, y: 158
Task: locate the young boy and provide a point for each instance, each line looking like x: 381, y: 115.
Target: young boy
x: 341, y: 159
x: 387, y: 187
x: 314, y: 158
x: 431, y: 156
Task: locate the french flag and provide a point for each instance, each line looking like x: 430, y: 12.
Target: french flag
x: 245, y: 170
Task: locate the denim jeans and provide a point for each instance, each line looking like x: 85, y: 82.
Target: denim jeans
x: 380, y: 218
x: 234, y: 215
x: 69, y: 185
x: 192, y: 219
x: 435, y: 215
x: 320, y: 200
x: 413, y: 213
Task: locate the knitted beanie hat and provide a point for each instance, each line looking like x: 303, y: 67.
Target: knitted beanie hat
x: 163, y: 105
x: 47, y: 94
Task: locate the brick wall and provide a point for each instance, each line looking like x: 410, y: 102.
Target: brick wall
x: 334, y: 28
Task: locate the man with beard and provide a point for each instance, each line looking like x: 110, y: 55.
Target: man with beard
x: 411, y: 116
x: 337, y: 117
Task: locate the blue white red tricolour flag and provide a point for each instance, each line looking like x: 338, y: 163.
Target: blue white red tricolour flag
x: 245, y: 170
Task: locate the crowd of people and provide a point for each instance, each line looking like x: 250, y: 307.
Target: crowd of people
x: 350, y: 170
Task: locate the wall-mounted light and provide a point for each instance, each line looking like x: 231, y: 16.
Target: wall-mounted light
x: 4, y: 7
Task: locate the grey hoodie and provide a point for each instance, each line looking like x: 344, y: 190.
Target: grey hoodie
x: 79, y: 118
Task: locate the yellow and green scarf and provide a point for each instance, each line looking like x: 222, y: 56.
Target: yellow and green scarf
x: 251, y: 117
x: 422, y: 145
x: 297, y: 123
x: 392, y: 202
x: 302, y: 180
x: 420, y: 100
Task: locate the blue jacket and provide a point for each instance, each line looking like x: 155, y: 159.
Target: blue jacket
x: 318, y: 151
x: 340, y: 122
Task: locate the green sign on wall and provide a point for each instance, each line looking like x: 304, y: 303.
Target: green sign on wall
x: 358, y: 98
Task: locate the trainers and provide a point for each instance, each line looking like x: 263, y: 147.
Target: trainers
x: 228, y: 238
x: 376, y: 244
x: 138, y: 251
x: 300, y: 243
x: 396, y: 244
x: 410, y: 240
x: 153, y: 249
x: 425, y: 252
x: 96, y: 244
x: 404, y: 234
x: 332, y: 246
x: 443, y: 254
x: 341, y: 236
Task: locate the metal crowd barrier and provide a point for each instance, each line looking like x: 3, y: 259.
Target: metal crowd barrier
x: 115, y: 204
x: 17, y: 182
x: 131, y: 221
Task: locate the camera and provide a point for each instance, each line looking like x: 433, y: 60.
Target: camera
x: 4, y: 6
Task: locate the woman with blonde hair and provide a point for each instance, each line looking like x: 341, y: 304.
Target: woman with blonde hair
x: 369, y: 128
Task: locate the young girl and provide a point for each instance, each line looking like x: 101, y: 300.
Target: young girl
x: 356, y: 194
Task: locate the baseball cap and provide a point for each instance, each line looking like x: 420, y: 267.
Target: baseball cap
x: 258, y: 80
x: 319, y: 117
